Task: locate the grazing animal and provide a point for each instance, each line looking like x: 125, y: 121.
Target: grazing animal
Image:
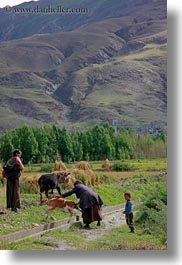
x: 59, y: 202
x: 51, y: 181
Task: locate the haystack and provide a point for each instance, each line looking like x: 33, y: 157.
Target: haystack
x: 84, y: 172
x: 83, y: 165
x: 59, y: 166
x: 107, y: 164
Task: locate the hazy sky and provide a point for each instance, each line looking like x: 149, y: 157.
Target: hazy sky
x: 12, y: 2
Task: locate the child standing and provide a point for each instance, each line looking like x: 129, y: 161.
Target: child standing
x: 129, y: 211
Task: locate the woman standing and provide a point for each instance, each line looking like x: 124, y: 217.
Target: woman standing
x: 13, y: 170
x: 90, y: 203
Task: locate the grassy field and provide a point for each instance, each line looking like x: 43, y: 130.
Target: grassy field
x: 117, y: 239
x: 110, y: 186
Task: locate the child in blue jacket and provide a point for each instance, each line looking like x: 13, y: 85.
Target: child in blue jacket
x: 129, y: 211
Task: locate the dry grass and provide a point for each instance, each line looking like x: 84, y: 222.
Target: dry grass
x: 59, y: 166
x: 84, y: 172
x: 92, y: 173
x: 83, y: 165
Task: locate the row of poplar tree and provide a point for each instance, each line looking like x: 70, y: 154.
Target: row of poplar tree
x: 47, y: 143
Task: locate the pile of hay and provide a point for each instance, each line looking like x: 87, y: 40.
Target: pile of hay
x: 84, y: 173
x: 29, y: 184
x: 83, y: 165
x: 59, y: 166
x: 107, y: 164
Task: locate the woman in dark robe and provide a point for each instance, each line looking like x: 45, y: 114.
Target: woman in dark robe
x: 90, y: 203
x: 13, y: 169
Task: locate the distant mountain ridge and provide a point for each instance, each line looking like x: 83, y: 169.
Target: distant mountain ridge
x: 23, y: 24
x: 100, y: 70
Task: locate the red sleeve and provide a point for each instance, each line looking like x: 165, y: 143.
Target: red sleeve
x: 21, y: 166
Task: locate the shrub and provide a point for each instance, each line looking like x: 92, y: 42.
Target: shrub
x: 120, y: 166
x: 46, y: 168
x: 152, y: 214
x: 102, y: 178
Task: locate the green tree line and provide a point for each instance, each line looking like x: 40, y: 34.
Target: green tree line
x: 44, y: 144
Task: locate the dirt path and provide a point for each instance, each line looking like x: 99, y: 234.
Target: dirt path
x: 110, y: 220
